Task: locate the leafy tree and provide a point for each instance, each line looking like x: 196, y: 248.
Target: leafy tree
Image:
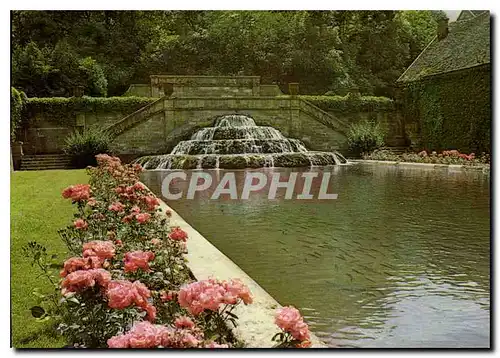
x: 335, y: 51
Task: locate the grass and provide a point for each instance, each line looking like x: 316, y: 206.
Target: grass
x: 37, y: 211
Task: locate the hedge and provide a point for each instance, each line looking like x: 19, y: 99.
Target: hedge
x: 63, y: 110
x: 351, y: 103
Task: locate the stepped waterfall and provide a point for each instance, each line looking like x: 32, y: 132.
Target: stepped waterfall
x: 234, y: 142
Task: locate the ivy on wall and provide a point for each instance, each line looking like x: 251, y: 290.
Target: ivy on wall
x: 63, y: 110
x: 451, y: 111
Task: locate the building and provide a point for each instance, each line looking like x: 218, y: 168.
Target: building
x: 446, y: 90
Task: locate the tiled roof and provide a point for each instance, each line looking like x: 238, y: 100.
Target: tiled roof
x: 466, y: 45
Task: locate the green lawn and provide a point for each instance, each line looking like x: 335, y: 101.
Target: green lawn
x: 37, y: 211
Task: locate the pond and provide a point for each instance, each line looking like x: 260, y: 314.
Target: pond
x: 400, y: 259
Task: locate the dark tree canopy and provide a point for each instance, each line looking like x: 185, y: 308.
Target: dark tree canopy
x: 106, y: 51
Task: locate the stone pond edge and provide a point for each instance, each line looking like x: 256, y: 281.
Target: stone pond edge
x: 256, y: 321
x: 458, y: 167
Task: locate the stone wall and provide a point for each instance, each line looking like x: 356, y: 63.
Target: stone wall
x: 193, y: 86
x: 184, y: 116
x: 139, y: 90
x: 47, y: 136
x: 174, y: 119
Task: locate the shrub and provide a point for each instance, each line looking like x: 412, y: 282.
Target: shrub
x: 127, y: 284
x: 93, y: 76
x: 17, y: 104
x: 364, y: 137
x: 84, y: 146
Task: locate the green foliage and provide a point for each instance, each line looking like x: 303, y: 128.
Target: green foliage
x: 17, y: 105
x: 84, y: 146
x: 64, y: 110
x: 94, y: 77
x: 351, y: 104
x: 322, y: 50
x: 451, y: 112
x: 55, y: 71
x: 364, y: 137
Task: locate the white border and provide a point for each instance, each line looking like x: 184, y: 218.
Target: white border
x: 184, y: 5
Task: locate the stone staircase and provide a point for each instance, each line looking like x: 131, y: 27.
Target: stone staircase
x: 323, y: 117
x: 136, y: 118
x: 45, y: 162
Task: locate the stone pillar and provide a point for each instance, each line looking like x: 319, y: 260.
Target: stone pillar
x: 80, y: 121
x: 293, y: 88
x: 256, y: 87
x: 294, y: 127
x: 78, y: 91
x: 168, y: 117
x: 16, y: 152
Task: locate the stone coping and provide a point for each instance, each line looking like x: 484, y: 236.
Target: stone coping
x: 256, y: 321
x: 485, y: 168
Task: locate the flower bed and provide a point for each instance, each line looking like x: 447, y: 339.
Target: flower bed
x: 445, y: 157
x: 127, y: 284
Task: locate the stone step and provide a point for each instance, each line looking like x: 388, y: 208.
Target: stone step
x: 48, y: 160
x: 44, y: 168
x: 46, y: 156
x: 44, y: 165
x: 45, y: 162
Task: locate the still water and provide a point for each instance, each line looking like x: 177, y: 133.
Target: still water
x: 400, y: 259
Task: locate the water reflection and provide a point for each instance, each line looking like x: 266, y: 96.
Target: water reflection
x: 400, y: 259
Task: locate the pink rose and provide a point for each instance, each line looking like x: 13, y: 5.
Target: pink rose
x: 80, y: 224
x: 142, y: 218
x: 184, y: 322
x: 102, y: 249
x: 178, y: 234
x: 117, y: 207
x: 138, y: 260
x: 121, y: 341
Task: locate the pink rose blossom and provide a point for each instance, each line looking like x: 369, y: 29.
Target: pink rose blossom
x: 168, y: 296
x: 178, y: 234
x: 79, y: 263
x: 211, y: 294
x: 80, y: 280
x: 80, y: 224
x: 79, y: 192
x: 121, y: 341
x: 142, y: 218
x: 122, y: 294
x: 117, y: 207
x: 102, y: 249
x: 92, y: 202
x: 290, y: 320
x: 213, y: 345
x: 184, y: 322
x: 138, y: 260
x: 151, y: 202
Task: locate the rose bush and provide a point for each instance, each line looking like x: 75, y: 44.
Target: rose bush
x: 126, y: 284
x: 445, y: 157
